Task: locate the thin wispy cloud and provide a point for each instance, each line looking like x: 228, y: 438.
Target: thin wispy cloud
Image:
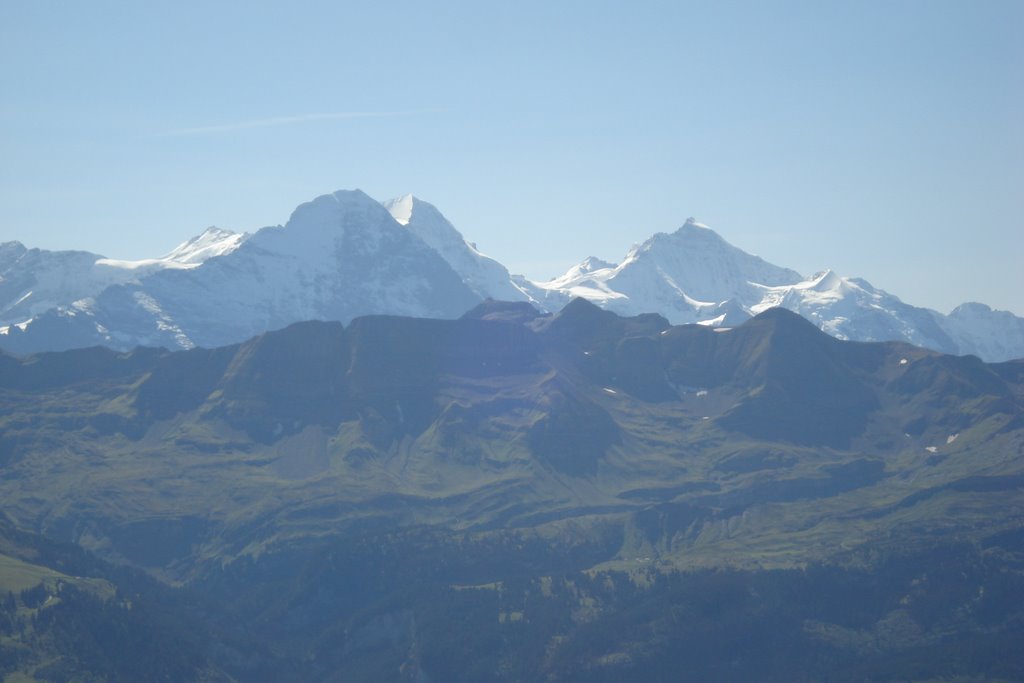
x: 288, y: 121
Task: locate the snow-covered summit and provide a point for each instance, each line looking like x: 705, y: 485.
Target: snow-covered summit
x: 684, y: 275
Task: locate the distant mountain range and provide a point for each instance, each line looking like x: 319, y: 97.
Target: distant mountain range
x: 344, y: 255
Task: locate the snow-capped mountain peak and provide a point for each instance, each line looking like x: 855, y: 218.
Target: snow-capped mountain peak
x: 681, y: 275
x: 210, y: 243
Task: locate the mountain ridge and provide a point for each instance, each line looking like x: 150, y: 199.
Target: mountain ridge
x: 550, y: 487
x: 404, y: 257
x: 472, y: 419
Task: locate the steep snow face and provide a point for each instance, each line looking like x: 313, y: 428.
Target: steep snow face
x: 482, y: 274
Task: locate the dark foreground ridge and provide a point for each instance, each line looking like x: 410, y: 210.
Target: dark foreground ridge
x: 515, y: 496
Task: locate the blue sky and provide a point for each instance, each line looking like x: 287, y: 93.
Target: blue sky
x: 882, y: 139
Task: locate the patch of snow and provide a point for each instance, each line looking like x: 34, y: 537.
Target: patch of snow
x: 952, y: 437
x: 22, y: 299
x: 713, y: 322
x: 6, y: 329
x: 400, y: 208
x: 142, y: 266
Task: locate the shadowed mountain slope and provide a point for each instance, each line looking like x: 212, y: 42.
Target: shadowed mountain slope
x: 484, y: 417
x: 352, y: 493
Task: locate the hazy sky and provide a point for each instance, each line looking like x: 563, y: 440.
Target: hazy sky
x: 882, y: 139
